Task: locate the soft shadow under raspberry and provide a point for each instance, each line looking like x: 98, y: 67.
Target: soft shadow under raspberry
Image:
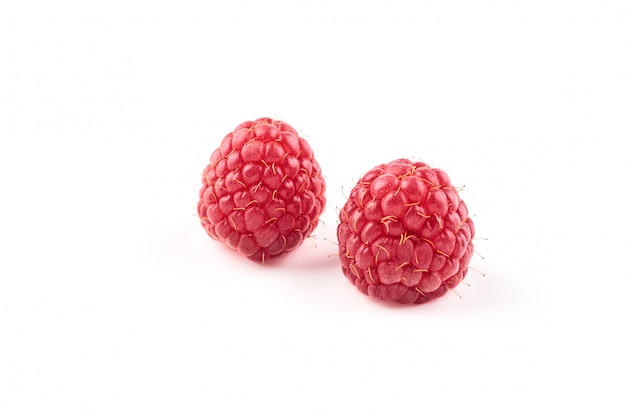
x: 304, y: 258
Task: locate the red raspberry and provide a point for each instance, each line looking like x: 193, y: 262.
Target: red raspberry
x: 404, y: 234
x: 263, y: 191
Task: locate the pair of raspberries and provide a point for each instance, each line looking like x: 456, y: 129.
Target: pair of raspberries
x: 404, y: 234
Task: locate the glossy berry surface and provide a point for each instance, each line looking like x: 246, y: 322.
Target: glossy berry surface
x: 404, y: 234
x: 262, y: 193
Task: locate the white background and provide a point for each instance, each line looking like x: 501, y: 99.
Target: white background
x: 114, y: 300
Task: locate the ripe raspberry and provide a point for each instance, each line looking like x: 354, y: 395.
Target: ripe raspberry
x: 263, y: 191
x: 404, y: 234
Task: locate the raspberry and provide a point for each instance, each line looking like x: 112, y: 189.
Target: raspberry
x: 263, y: 192
x: 404, y: 234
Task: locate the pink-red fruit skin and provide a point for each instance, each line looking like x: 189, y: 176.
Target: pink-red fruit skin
x: 263, y: 192
x: 404, y: 234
